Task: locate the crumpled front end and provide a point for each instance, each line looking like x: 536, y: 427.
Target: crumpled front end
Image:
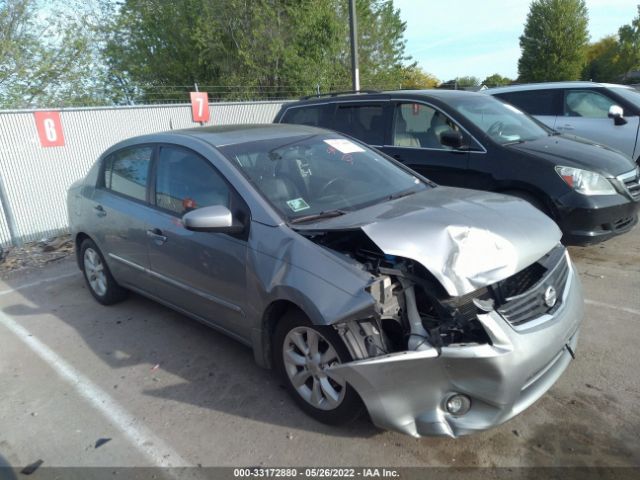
x: 493, y: 352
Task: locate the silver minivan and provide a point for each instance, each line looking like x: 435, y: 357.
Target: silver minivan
x: 607, y: 114
x: 441, y: 311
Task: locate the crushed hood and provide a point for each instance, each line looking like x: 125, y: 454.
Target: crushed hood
x: 467, y: 239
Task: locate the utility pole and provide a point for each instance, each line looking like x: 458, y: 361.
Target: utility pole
x: 353, y: 29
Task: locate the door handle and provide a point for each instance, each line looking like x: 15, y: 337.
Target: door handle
x: 99, y: 209
x: 397, y: 156
x: 566, y: 127
x: 157, y: 236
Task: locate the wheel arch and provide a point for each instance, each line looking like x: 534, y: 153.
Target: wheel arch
x: 538, y: 195
x: 263, y: 341
x: 77, y: 241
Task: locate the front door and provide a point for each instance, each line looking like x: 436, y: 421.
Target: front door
x: 586, y: 114
x: 415, y: 141
x: 200, y: 272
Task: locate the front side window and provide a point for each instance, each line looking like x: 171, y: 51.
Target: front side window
x: 420, y: 126
x: 364, y: 122
x: 308, y: 175
x: 126, y: 172
x: 586, y: 103
x: 185, y: 181
x: 501, y: 122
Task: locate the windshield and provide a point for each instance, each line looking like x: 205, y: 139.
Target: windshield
x: 500, y: 121
x: 324, y: 175
x: 630, y: 94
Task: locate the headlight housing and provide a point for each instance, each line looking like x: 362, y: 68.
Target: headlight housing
x: 586, y: 182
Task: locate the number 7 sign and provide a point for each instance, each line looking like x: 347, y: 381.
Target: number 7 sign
x: 200, y: 106
x: 49, y: 129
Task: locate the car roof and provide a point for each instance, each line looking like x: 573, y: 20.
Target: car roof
x: 428, y: 93
x: 546, y: 85
x: 222, y: 135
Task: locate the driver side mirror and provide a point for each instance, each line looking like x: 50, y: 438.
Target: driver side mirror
x: 616, y: 112
x: 452, y: 138
x: 216, y: 218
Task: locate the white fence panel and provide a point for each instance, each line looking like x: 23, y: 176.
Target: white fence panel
x: 36, y: 179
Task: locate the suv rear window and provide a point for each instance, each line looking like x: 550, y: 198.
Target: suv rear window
x: 534, y: 102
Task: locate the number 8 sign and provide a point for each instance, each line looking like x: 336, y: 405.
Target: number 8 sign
x: 49, y: 129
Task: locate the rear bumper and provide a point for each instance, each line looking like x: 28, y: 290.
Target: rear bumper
x: 589, y: 220
x: 407, y: 391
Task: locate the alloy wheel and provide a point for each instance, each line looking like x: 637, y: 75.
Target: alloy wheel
x: 307, y: 355
x: 94, y: 270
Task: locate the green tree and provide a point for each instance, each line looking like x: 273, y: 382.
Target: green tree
x: 603, y: 61
x: 462, y: 82
x: 629, y: 46
x: 415, y: 78
x: 159, y: 49
x: 496, y: 80
x: 554, y: 41
x: 46, y: 56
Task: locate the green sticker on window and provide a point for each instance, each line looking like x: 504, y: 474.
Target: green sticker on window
x: 297, y: 204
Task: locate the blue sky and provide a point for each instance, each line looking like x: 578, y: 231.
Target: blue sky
x: 451, y: 38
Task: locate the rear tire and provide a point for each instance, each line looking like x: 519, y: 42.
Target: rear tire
x: 301, y: 351
x: 97, y: 275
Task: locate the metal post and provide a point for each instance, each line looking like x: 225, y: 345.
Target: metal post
x: 353, y: 28
x: 8, y: 214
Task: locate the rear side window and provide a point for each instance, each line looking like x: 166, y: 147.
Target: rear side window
x: 127, y: 171
x: 311, y: 115
x: 364, y: 122
x: 535, y: 102
x: 586, y: 103
x: 185, y: 181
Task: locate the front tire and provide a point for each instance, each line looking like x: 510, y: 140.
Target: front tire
x: 97, y: 275
x: 302, y: 352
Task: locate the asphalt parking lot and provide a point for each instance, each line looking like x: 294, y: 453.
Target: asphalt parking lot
x: 162, y: 389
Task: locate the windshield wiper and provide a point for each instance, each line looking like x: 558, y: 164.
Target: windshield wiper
x: 317, y: 216
x: 405, y: 193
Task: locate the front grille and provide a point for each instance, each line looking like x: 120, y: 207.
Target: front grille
x: 631, y: 182
x: 531, y: 304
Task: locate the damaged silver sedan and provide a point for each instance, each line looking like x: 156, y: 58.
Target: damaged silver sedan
x: 442, y: 311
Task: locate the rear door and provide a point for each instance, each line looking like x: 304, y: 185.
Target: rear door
x: 121, y: 208
x: 200, y: 272
x: 586, y: 114
x: 545, y: 105
x: 415, y: 141
x: 368, y: 121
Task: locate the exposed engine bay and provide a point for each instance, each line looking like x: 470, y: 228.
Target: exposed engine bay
x: 413, y: 312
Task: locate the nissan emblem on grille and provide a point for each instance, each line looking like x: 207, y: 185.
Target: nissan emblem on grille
x: 550, y: 296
